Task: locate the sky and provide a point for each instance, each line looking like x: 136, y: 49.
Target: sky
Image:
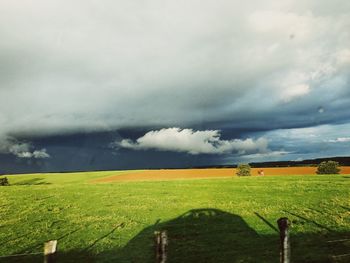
x: 97, y: 85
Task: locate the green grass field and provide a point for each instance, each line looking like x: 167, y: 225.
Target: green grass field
x: 208, y: 220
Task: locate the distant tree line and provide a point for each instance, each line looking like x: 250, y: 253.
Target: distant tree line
x: 325, y: 167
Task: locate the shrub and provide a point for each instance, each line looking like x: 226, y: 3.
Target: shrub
x: 328, y: 167
x: 243, y: 170
x: 4, y: 181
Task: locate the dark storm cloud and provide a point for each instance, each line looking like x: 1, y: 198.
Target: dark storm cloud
x: 89, y: 66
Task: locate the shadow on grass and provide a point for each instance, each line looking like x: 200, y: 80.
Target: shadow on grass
x: 13, y: 239
x: 37, y: 246
x: 310, y: 221
x: 34, y: 181
x: 103, y: 237
x: 203, y: 235
x: 44, y: 198
x: 267, y: 222
x: 209, y: 235
x: 345, y: 207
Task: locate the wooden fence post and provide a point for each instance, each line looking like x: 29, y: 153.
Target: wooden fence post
x: 161, y: 244
x: 283, y: 225
x: 50, y: 248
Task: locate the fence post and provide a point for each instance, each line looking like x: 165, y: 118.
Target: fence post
x: 161, y: 244
x: 50, y: 251
x: 283, y: 225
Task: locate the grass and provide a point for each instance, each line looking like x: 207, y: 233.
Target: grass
x: 208, y: 220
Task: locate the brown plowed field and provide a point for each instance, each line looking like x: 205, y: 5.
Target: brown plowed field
x: 205, y: 173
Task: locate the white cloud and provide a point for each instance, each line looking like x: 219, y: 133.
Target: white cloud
x: 24, y: 154
x: 267, y: 155
x: 19, y: 149
x: 340, y: 139
x: 193, y: 142
x: 10, y: 145
x: 272, y: 21
x: 295, y: 92
x: 40, y: 154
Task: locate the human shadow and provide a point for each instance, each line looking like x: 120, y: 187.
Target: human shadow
x: 211, y: 235
x: 203, y: 235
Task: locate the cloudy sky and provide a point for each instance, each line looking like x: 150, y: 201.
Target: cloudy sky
x: 139, y: 84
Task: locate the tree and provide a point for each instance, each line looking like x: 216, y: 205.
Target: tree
x: 4, y: 181
x: 243, y: 169
x: 328, y: 167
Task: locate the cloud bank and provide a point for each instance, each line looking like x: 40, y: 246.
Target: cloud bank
x: 193, y: 142
x: 77, y: 66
